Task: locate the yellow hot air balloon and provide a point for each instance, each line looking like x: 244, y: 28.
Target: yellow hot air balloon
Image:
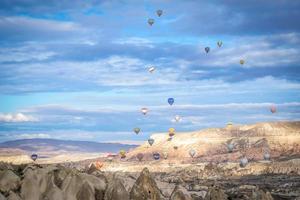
x: 229, y: 125
x: 171, y: 132
x: 242, y: 61
x: 123, y: 154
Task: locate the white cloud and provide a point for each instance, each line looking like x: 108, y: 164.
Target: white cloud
x: 18, y: 117
x: 31, y: 136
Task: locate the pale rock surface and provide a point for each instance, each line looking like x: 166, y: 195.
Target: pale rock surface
x: 8, y: 181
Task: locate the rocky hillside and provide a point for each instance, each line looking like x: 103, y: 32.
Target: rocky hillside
x: 57, y: 182
x: 279, y: 139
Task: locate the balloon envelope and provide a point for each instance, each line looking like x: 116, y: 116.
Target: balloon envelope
x: 98, y: 165
x: 177, y: 118
x: 242, y: 62
x: 150, y: 141
x: 144, y: 110
x: 175, y: 147
x: 34, y: 156
x: 171, y: 101
x: 123, y: 154
x: 159, y: 12
x: 219, y: 43
x: 243, y: 162
x: 192, y: 153
x: 150, y: 22
x: 206, y: 49
x: 156, y: 156
x: 230, y: 147
x: 137, y: 130
x: 151, y: 69
x: 165, y: 155
x: 171, y: 132
x: 273, y: 109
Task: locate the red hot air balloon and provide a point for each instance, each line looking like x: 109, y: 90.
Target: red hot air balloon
x: 273, y: 109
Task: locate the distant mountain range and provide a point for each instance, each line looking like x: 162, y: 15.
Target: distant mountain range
x: 51, y: 145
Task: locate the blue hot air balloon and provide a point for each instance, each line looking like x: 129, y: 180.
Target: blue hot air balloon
x: 171, y: 101
x: 156, y: 156
x: 34, y: 156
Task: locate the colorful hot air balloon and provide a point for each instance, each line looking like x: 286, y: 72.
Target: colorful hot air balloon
x: 136, y: 130
x: 123, y: 154
x: 150, y: 22
x: 230, y: 147
x: 242, y: 61
x: 150, y: 141
x: 34, y: 156
x: 144, y: 110
x: 273, y: 109
x: 175, y: 147
x: 171, y: 132
x: 171, y: 101
x: 165, y: 155
x: 159, y: 12
x: 151, y: 69
x: 206, y: 49
x: 229, y: 125
x: 140, y: 156
x: 192, y: 153
x: 219, y: 43
x: 177, y: 118
x: 156, y: 156
x: 243, y: 162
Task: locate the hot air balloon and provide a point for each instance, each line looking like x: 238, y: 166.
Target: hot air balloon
x: 219, y: 43
x: 156, y: 156
x: 242, y: 61
x: 140, y: 156
x: 273, y: 109
x: 159, y: 12
x: 136, y: 130
x: 175, y: 147
x: 150, y: 22
x: 177, y: 118
x: 34, y: 156
x: 165, y: 155
x: 171, y: 132
x: 98, y: 165
x: 230, y: 147
x: 229, y: 125
x: 171, y: 101
x: 150, y: 141
x: 123, y: 154
x: 151, y: 69
x: 206, y: 49
x: 243, y: 162
x: 144, y: 110
x: 267, y: 156
x: 192, y: 153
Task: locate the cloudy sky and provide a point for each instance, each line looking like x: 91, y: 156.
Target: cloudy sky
x: 79, y: 69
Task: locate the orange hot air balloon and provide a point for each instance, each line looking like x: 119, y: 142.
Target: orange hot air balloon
x: 171, y: 132
x: 98, y: 165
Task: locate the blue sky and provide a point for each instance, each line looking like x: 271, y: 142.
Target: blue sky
x: 79, y: 69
